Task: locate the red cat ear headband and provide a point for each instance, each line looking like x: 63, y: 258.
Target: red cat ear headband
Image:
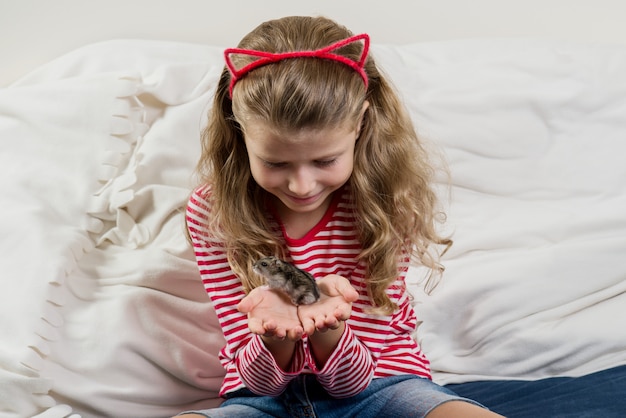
x: 323, y: 53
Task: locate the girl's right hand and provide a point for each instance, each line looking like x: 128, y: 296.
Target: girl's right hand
x: 271, y: 314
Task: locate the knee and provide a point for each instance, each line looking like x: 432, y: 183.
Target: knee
x: 190, y: 416
x: 460, y: 409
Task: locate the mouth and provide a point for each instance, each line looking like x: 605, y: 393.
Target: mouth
x: 304, y: 200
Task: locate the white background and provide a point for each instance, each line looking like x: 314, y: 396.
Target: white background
x: 33, y: 32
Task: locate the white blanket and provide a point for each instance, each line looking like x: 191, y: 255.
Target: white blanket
x: 102, y: 312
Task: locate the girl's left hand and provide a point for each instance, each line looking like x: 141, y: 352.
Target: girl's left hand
x: 334, y: 306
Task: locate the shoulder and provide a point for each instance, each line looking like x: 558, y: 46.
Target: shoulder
x: 199, y: 200
x: 198, y: 210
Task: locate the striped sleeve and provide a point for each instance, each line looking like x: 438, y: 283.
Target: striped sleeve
x: 259, y: 370
x: 372, y: 346
x: 349, y: 370
x: 247, y: 361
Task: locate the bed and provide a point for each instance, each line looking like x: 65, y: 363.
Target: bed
x: 102, y: 312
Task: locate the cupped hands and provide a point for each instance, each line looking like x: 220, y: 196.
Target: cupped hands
x: 271, y: 314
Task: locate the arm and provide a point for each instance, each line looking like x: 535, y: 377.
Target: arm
x: 245, y: 357
x: 282, y: 351
x: 343, y: 364
x: 324, y: 321
x: 273, y: 317
x: 370, y: 344
x: 324, y: 343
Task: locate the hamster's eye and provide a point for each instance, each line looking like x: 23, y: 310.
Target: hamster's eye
x: 264, y: 263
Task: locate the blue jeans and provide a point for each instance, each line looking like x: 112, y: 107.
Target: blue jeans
x: 599, y: 394
x: 398, y: 396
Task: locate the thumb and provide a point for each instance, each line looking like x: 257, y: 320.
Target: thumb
x: 250, y: 301
x: 346, y: 290
x: 339, y: 286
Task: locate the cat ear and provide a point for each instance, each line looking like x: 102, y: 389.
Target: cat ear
x: 263, y: 58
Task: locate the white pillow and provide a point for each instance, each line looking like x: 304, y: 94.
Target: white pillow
x: 535, y: 136
x: 101, y: 145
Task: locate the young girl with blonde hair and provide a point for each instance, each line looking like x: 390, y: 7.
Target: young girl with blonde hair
x: 309, y: 156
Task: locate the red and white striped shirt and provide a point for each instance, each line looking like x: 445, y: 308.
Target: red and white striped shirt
x: 372, y: 346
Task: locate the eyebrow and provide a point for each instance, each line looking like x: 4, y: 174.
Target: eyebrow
x: 320, y: 158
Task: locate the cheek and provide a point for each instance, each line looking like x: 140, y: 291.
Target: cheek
x: 264, y: 177
x: 343, y: 172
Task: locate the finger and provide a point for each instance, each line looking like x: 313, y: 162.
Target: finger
x: 328, y: 284
x: 279, y: 333
x: 325, y: 322
x: 308, y: 325
x: 345, y: 289
x: 320, y: 323
x: 271, y: 329
x: 256, y: 326
x: 343, y: 312
x: 336, y: 285
x: 251, y: 300
x: 295, y: 334
x: 331, y: 322
x: 247, y: 304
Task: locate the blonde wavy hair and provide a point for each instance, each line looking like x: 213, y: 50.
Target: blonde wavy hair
x: 395, y: 206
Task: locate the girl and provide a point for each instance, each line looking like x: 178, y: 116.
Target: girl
x: 309, y: 156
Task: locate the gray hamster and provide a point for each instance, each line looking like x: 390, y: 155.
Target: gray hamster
x: 298, y: 284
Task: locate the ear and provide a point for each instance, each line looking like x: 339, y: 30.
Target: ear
x: 359, y: 124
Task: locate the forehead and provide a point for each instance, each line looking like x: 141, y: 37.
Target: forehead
x: 260, y: 133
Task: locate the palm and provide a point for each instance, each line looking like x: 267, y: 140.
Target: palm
x: 334, y: 306
x: 323, y: 314
x: 271, y: 314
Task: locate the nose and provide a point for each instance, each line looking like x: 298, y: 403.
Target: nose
x: 301, y: 182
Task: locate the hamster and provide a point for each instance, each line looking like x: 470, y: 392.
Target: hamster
x: 298, y: 284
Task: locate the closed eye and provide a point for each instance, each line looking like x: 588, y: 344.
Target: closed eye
x: 271, y: 164
x: 319, y: 163
x: 325, y: 163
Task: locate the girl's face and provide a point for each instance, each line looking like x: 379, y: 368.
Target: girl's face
x: 301, y: 169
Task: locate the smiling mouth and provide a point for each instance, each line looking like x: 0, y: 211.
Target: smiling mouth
x: 304, y: 200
